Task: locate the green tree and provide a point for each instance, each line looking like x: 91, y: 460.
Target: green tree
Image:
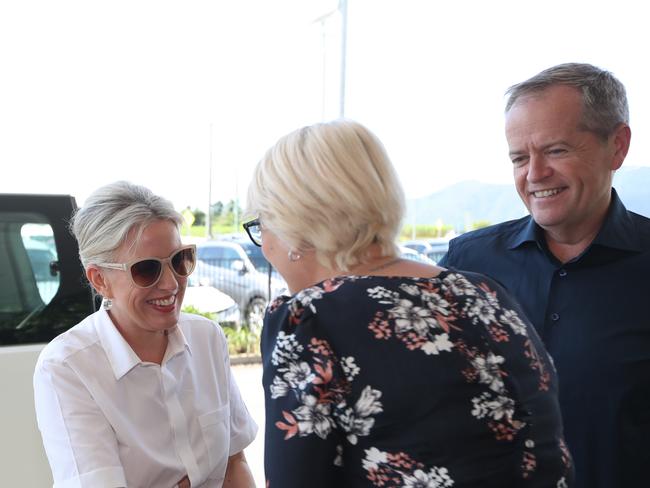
x: 479, y: 224
x: 217, y: 209
x: 199, y: 217
x: 228, y: 213
x: 425, y: 231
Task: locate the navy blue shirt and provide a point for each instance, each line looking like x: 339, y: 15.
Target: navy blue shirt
x: 593, y: 314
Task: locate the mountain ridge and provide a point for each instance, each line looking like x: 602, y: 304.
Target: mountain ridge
x: 465, y: 202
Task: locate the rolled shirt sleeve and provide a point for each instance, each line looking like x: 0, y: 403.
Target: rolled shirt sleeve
x: 79, y: 442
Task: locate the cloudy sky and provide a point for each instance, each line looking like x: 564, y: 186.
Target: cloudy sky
x: 92, y: 92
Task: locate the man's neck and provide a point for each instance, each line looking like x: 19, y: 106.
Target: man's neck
x: 565, y: 251
x: 570, y: 240
x: 568, y: 245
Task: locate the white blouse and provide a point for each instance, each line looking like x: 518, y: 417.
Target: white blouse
x: 110, y: 420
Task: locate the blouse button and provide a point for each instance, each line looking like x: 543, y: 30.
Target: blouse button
x: 555, y: 317
x: 529, y: 444
x: 562, y: 272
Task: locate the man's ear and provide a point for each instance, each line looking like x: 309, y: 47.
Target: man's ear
x: 622, y: 136
x: 98, y: 280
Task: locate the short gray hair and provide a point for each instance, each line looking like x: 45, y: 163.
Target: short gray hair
x: 329, y: 187
x: 603, y: 96
x: 108, y: 215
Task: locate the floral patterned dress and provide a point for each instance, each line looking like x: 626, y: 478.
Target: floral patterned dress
x: 409, y: 382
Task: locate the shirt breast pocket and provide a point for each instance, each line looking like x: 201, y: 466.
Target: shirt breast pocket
x: 216, y: 435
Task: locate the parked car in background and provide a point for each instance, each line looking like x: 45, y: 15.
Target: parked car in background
x: 208, y: 299
x: 258, y: 259
x: 408, y: 253
x: 434, y: 249
x: 225, y: 265
x: 420, y: 246
x: 438, y: 248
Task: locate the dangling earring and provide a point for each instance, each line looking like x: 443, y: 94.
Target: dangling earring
x: 107, y: 303
x: 293, y: 256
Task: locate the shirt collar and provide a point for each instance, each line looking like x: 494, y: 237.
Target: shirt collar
x: 176, y: 344
x: 531, y: 232
x: 120, y: 354
x: 618, y: 230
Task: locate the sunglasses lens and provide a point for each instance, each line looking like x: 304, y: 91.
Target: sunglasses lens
x: 146, y: 272
x: 183, y: 262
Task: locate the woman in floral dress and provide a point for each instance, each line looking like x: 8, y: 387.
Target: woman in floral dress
x: 380, y: 371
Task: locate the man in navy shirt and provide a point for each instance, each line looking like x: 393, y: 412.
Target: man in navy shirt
x: 579, y: 265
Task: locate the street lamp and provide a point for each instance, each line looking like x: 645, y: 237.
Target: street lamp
x: 342, y: 10
x: 209, y: 214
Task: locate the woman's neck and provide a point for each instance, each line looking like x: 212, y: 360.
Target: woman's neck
x: 149, y: 346
x: 312, y: 271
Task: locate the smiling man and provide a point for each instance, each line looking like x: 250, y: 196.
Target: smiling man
x: 579, y: 264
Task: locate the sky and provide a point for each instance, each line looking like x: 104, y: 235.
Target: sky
x: 166, y: 94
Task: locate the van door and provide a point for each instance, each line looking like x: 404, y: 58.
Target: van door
x: 43, y: 292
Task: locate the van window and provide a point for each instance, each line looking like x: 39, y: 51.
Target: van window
x: 38, y: 240
x: 28, y: 269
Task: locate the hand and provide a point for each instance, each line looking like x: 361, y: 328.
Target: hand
x: 184, y: 483
x: 238, y: 474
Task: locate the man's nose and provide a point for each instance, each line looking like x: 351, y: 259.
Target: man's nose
x: 538, y: 168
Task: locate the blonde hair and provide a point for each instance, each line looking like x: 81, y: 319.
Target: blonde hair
x: 110, y: 213
x: 329, y: 187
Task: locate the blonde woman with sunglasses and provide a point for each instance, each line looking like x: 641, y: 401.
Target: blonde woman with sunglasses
x: 139, y: 394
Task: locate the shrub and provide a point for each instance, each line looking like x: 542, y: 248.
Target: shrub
x: 240, y: 341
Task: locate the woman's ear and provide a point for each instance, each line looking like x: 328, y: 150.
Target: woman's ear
x: 98, y: 280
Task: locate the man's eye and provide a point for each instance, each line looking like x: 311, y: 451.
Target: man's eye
x: 557, y: 150
x: 519, y: 160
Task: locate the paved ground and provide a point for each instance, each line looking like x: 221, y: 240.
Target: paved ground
x: 249, y: 379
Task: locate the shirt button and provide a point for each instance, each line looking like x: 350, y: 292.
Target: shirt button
x: 562, y: 272
x: 555, y: 317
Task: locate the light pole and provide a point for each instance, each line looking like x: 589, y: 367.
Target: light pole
x: 342, y: 9
x: 236, y: 206
x: 413, y: 233
x: 209, y: 214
